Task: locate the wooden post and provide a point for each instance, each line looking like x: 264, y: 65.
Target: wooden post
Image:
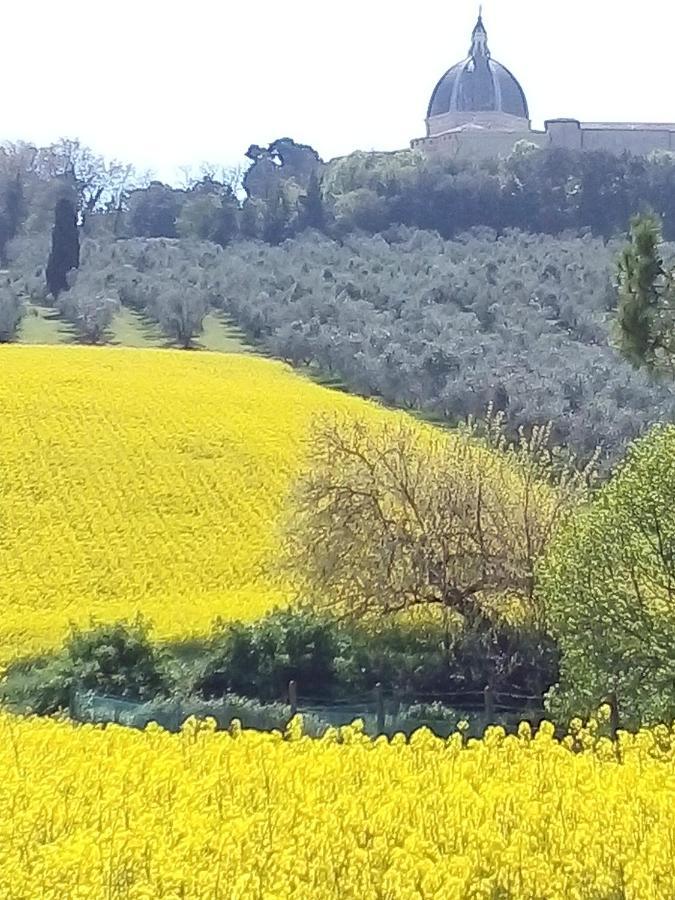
x: 72, y: 700
x: 613, y: 715
x: 489, y: 704
x: 293, y: 697
x: 379, y: 708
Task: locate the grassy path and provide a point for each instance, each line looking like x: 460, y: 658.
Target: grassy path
x: 222, y: 336
x: 43, y: 325
x: 130, y: 329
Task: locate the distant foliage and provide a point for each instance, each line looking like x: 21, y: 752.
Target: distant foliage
x: 608, y: 586
x: 11, y: 311
x: 532, y: 189
x: 210, y: 213
x: 448, y: 327
x: 153, y: 211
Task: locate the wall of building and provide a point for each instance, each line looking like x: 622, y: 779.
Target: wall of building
x: 478, y: 144
x: 484, y: 138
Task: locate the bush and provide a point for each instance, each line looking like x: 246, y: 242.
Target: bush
x: 259, y: 659
x: 116, y: 659
x: 331, y: 659
x: 608, y: 584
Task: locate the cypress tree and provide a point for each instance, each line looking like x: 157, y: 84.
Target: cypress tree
x: 313, y: 211
x: 275, y: 217
x: 642, y: 283
x: 65, y: 252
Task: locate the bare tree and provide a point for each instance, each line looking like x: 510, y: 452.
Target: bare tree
x: 398, y: 515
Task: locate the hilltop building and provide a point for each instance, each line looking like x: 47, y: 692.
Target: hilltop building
x: 479, y: 109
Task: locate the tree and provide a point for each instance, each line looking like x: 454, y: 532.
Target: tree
x: 91, y: 304
x: 396, y: 515
x: 65, y: 251
x: 180, y: 311
x: 276, y: 216
x: 283, y: 160
x: 11, y: 212
x: 313, y: 214
x: 608, y: 587
x: 153, y: 211
x: 209, y: 213
x: 99, y: 183
x: 645, y: 288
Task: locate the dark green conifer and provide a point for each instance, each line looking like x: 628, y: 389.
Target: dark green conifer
x: 65, y: 252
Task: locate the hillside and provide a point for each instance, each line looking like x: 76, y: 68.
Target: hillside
x: 143, y: 480
x: 524, y: 322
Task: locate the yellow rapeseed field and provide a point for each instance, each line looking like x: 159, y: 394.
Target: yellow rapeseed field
x: 143, y: 480
x: 153, y: 481
x: 90, y: 813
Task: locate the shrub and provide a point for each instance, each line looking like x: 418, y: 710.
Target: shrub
x: 118, y: 659
x: 608, y: 584
x: 333, y: 659
x: 260, y: 659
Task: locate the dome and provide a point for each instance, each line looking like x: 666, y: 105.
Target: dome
x: 478, y: 84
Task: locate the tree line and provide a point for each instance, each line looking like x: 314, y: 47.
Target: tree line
x: 288, y: 188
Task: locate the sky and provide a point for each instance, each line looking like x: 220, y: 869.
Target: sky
x: 165, y: 84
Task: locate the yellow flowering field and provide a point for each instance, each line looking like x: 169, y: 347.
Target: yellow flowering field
x: 87, y: 812
x: 153, y: 481
x: 143, y: 480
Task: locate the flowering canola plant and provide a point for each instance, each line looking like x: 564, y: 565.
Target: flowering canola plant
x: 92, y: 812
x: 144, y: 481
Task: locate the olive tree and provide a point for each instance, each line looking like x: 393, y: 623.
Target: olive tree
x: 11, y: 311
x: 180, y: 311
x: 91, y: 304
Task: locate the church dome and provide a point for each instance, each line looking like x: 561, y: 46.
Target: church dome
x: 478, y: 84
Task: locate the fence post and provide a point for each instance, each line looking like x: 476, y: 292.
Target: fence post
x: 72, y: 701
x: 489, y: 704
x: 613, y: 714
x: 379, y: 708
x: 293, y: 697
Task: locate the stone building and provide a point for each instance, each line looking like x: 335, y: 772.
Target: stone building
x: 479, y: 109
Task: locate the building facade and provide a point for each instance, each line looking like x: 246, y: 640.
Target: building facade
x: 479, y: 109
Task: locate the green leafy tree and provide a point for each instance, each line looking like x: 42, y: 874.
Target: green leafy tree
x: 608, y: 589
x: 645, y: 292
x: 209, y: 216
x: 153, y: 211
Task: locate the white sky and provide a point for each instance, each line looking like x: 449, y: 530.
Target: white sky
x: 164, y: 84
